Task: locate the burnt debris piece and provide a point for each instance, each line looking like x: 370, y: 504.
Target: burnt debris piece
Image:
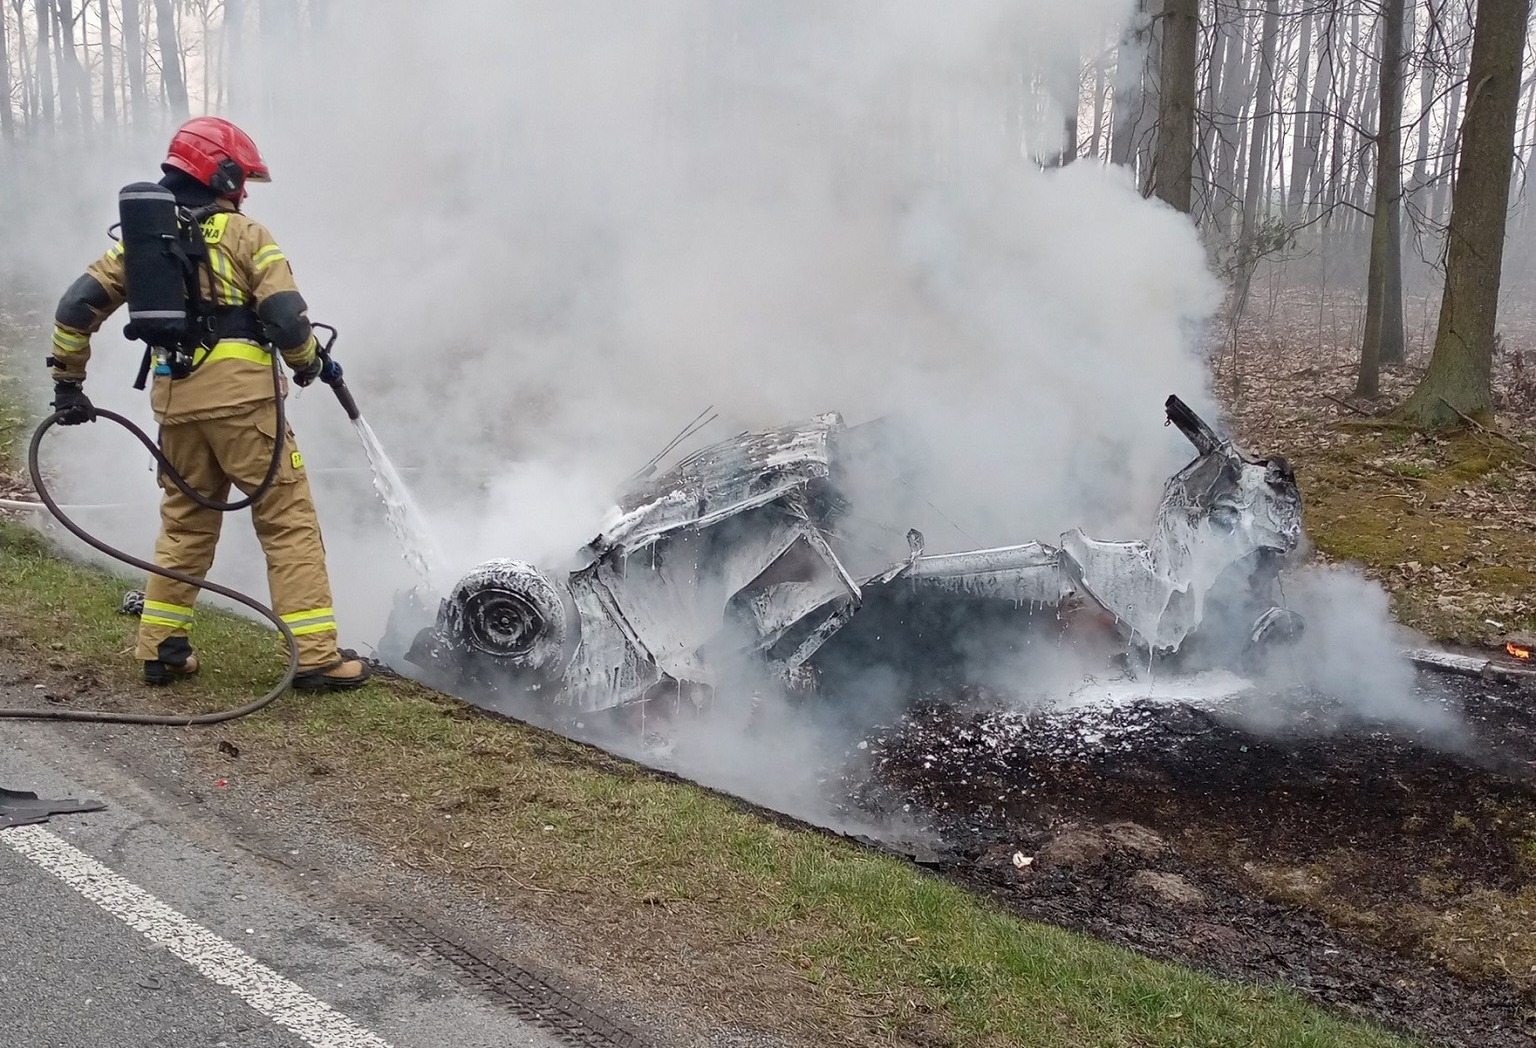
x: 748, y: 556
x: 22, y: 808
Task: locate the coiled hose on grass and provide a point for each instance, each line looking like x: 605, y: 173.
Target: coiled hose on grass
x: 175, y: 720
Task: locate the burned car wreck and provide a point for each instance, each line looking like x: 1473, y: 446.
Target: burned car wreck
x: 736, y: 560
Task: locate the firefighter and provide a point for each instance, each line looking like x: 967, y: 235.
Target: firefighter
x: 217, y: 411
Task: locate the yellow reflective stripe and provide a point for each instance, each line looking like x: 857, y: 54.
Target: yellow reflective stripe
x: 170, y: 609
x: 268, y: 255
x: 226, y: 290
x: 159, y: 613
x: 295, y: 617
x: 316, y: 620
x: 149, y: 619
x: 217, y: 279
x: 235, y: 351
x: 69, y: 342
x: 115, y: 250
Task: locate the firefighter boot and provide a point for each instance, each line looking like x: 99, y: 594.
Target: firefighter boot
x: 175, y: 662
x: 347, y: 672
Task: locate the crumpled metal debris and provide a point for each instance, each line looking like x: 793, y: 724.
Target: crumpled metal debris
x: 738, y: 556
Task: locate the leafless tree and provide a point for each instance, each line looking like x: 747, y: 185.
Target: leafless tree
x: 170, y: 59
x: 133, y: 54
x: 7, y: 118
x: 1174, y: 163
x: 44, y: 64
x: 1459, y: 380
x: 108, y: 90
x: 1383, y: 341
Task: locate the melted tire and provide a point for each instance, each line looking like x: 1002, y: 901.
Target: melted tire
x: 510, y: 616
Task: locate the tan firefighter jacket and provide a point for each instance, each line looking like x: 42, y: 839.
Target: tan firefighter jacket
x: 244, y: 268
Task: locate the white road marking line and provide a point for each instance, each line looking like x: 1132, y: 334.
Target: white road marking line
x: 284, y: 1002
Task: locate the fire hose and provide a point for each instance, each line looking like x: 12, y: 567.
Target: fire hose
x: 343, y: 395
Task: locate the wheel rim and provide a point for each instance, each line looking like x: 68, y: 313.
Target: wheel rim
x: 502, y: 623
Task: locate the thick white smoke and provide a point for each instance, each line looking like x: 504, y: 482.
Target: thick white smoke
x: 554, y: 232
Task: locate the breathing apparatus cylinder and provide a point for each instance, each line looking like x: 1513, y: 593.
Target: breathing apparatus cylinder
x: 156, y: 266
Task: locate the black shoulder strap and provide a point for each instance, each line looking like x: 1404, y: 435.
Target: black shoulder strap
x: 193, y: 255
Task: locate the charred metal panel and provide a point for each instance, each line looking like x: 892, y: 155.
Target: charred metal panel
x: 721, y: 481
x: 1027, y: 574
x: 1124, y: 578
x: 609, y: 668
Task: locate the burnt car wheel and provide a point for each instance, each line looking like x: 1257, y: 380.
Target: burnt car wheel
x: 513, y: 616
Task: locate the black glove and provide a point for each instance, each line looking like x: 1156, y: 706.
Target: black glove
x: 309, y: 372
x: 323, y: 368
x: 73, y: 405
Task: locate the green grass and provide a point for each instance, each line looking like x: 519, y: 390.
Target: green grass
x: 851, y: 940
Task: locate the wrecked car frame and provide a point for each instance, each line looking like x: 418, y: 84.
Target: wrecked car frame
x: 734, y: 562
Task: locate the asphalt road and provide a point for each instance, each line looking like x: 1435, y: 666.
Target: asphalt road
x: 243, y: 950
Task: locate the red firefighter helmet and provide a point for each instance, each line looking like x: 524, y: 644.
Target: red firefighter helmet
x: 218, y: 154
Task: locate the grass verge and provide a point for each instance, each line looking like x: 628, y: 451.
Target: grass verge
x: 736, y: 917
x: 1446, y: 523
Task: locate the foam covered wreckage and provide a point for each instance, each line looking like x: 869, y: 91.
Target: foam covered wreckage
x: 750, y: 560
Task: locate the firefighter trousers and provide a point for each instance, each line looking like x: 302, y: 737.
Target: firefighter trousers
x: 212, y: 456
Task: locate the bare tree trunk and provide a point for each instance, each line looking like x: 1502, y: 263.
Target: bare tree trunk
x: 1298, y: 188
x: 1360, y: 171
x: 1098, y: 109
x: 1460, y: 376
x: 1146, y: 127
x: 1274, y: 170
x: 44, y: 61
x: 1530, y: 155
x: 108, y: 86
x: 68, y: 110
x: 7, y: 124
x: 1173, y: 166
x: 133, y: 57
x: 1450, y: 145
x: 170, y: 60
x: 1419, y: 180
x: 1527, y: 107
x: 1258, y: 139
x: 71, y: 72
x: 1383, y: 309
x: 28, y: 81
x: 1312, y: 147
x: 208, y: 52
x: 1205, y: 138
x: 1235, y: 87
x: 1338, y: 159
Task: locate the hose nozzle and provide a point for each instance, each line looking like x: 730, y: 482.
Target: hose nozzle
x: 330, y: 374
x: 344, y: 396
